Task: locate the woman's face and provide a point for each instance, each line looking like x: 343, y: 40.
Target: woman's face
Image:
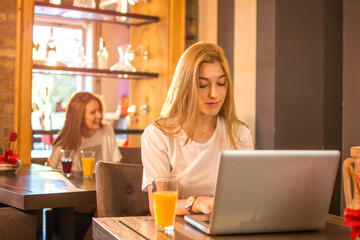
x: 212, y: 88
x: 92, y: 117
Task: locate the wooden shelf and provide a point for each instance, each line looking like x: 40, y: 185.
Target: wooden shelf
x: 89, y: 14
x: 37, y: 68
x: 117, y: 131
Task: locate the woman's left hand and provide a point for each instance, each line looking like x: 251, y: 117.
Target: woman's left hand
x: 203, y: 205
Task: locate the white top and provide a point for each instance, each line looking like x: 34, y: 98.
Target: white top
x: 103, y: 142
x: 194, y: 164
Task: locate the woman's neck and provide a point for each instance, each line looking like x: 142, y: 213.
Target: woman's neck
x: 87, y: 132
x: 204, y: 130
x: 206, y: 123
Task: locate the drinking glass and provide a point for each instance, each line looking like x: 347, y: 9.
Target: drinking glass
x: 88, y: 161
x: 67, y: 156
x: 84, y: 3
x: 165, y: 194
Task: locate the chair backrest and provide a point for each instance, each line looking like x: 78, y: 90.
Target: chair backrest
x: 17, y: 224
x: 131, y: 155
x: 118, y: 190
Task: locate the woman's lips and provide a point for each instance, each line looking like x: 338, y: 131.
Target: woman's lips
x: 213, y: 104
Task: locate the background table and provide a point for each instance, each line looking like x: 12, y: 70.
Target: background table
x: 37, y: 187
x: 144, y: 228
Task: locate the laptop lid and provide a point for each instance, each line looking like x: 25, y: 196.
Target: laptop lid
x: 271, y: 191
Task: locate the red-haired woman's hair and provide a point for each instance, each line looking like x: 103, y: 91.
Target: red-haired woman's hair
x: 70, y: 136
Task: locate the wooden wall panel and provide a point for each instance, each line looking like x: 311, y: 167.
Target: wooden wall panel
x: 23, y: 79
x: 165, y: 42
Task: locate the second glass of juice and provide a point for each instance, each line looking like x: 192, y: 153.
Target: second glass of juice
x: 88, y: 161
x: 165, y: 194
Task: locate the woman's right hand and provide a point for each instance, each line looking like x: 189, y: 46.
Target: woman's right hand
x: 203, y: 205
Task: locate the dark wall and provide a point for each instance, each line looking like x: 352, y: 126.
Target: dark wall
x: 299, y: 71
x: 265, y: 75
x: 299, y: 104
x: 226, y: 30
x: 351, y: 78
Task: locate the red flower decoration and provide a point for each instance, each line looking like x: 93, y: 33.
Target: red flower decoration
x: 9, y: 155
x: 13, y: 159
x: 352, y: 219
x: 12, y: 137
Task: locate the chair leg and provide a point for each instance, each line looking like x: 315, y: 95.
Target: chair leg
x: 48, y: 223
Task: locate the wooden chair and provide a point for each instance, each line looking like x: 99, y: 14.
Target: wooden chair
x: 118, y: 190
x: 17, y: 224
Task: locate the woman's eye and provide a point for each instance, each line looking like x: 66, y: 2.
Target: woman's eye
x: 221, y: 84
x: 203, y: 86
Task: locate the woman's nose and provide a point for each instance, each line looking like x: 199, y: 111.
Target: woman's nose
x: 213, y: 91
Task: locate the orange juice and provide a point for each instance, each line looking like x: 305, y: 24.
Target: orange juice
x: 88, y: 166
x: 164, y: 208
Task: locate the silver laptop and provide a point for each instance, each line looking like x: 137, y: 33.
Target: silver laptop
x: 265, y: 191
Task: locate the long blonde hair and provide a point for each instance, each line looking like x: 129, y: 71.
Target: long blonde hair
x: 70, y: 136
x: 182, y: 104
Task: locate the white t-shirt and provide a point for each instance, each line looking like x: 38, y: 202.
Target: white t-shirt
x: 194, y: 164
x: 103, y: 142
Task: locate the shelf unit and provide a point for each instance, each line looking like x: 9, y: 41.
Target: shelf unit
x: 89, y: 14
x: 117, y: 131
x: 37, y: 68
x: 93, y: 15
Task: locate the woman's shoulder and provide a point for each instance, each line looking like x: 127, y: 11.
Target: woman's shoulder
x: 163, y: 126
x: 161, y: 130
x: 107, y: 127
x: 152, y: 130
x: 240, y: 130
x: 105, y: 130
x: 236, y: 125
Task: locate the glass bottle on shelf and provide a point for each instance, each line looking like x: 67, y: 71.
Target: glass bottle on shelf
x: 102, y: 55
x: 55, y: 2
x: 125, y: 56
x: 50, y: 57
x: 121, y: 6
x: 84, y: 3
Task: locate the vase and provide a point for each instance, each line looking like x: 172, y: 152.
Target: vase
x: 125, y: 56
x: 9, y: 167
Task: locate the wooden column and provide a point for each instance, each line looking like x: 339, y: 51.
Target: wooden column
x: 23, y: 78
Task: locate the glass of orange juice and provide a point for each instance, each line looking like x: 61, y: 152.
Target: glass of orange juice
x: 165, y: 194
x: 88, y: 161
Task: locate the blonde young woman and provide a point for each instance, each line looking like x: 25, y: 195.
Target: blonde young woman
x: 198, y: 121
x: 84, y: 129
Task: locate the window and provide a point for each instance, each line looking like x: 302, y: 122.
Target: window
x: 59, y: 88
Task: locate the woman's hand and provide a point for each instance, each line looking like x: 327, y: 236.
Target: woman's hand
x: 203, y: 205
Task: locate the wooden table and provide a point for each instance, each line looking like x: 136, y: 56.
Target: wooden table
x: 37, y: 187
x: 144, y: 228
